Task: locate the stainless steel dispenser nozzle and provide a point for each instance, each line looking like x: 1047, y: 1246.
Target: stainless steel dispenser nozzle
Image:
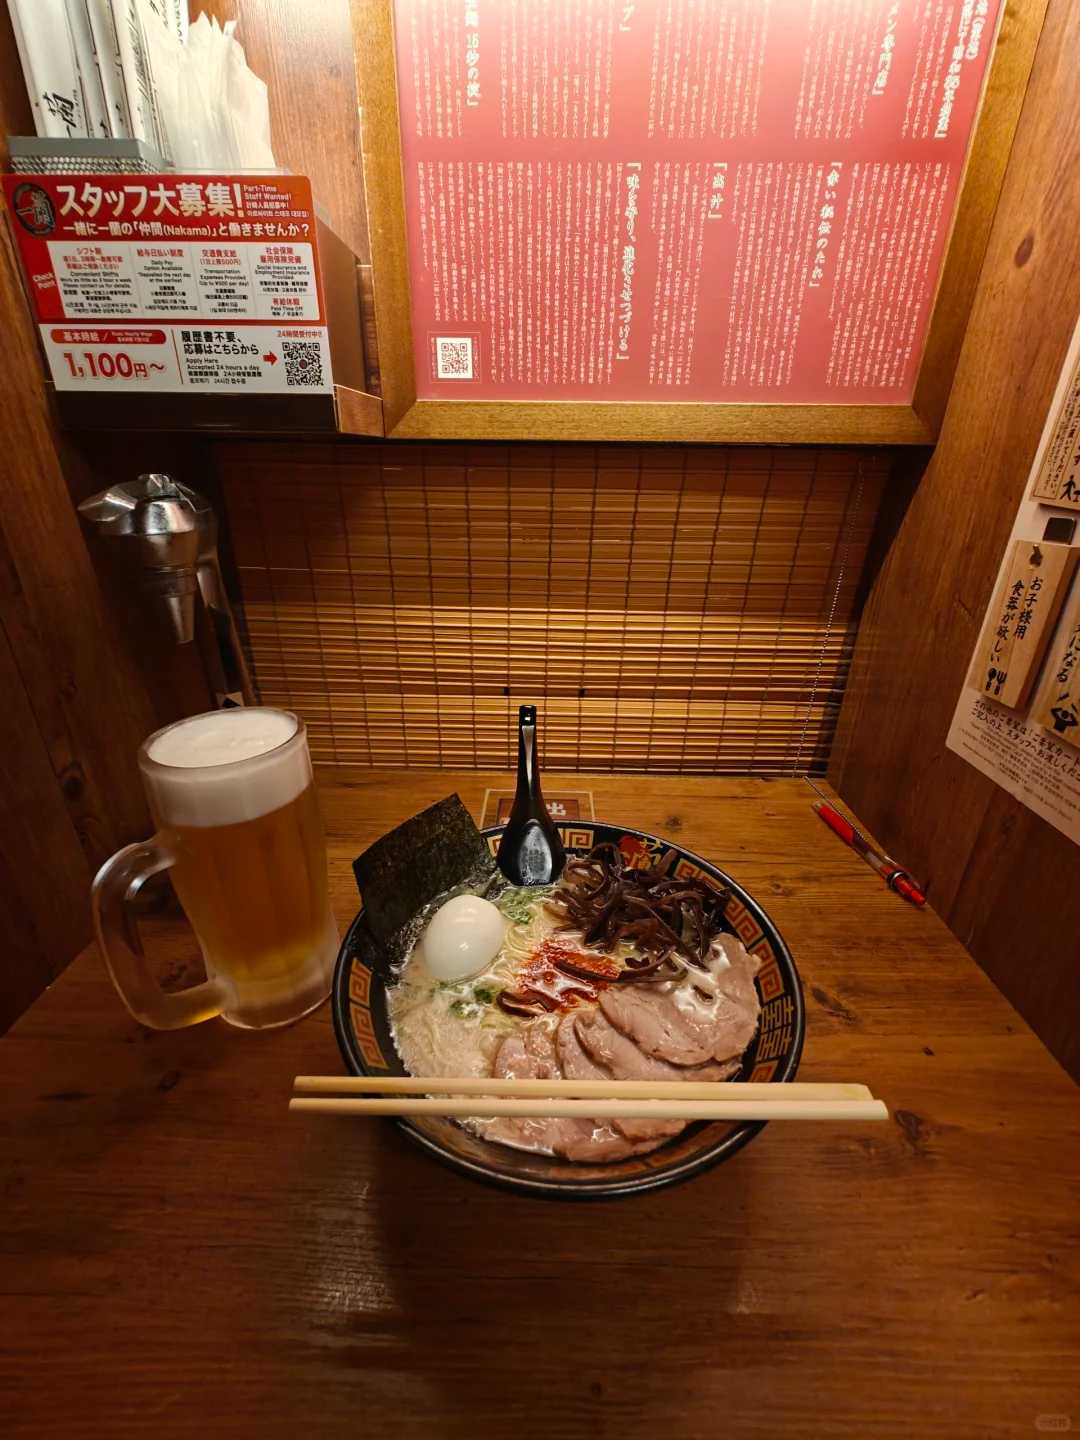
x: 160, y: 520
x: 171, y: 532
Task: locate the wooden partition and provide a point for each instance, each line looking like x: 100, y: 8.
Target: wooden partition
x: 671, y: 608
x: 74, y: 704
x: 1007, y: 882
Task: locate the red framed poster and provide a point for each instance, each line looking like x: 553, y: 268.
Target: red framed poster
x: 174, y: 283
x: 714, y: 218
x: 744, y: 201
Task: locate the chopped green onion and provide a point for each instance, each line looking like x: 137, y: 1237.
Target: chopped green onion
x: 517, y: 902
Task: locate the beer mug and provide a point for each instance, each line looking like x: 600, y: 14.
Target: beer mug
x: 232, y: 795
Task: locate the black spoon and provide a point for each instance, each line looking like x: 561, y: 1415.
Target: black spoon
x: 530, y: 851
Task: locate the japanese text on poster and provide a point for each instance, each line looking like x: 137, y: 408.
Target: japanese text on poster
x: 174, y: 282
x: 670, y: 200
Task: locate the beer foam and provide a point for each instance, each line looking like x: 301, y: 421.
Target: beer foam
x: 225, y: 767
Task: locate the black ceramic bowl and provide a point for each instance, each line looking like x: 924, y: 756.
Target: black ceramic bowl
x: 363, y: 1033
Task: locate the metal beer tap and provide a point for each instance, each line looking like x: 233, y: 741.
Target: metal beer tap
x: 171, y: 551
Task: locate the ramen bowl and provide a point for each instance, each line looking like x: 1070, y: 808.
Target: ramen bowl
x: 362, y: 1026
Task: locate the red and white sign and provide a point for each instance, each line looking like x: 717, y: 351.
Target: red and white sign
x: 673, y: 200
x: 174, y: 282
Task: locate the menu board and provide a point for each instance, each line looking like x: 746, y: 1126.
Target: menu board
x: 701, y: 200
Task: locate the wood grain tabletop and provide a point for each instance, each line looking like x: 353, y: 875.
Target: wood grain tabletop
x: 181, y: 1257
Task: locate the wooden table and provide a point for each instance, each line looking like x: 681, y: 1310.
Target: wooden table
x: 180, y: 1257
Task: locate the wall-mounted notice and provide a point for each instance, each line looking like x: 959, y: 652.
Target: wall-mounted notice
x: 672, y: 200
x: 1057, y: 480
x: 1021, y: 619
x: 174, y: 282
x: 1058, y: 707
x: 1015, y: 721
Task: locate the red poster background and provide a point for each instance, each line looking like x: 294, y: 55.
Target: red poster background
x: 853, y: 115
x: 127, y: 209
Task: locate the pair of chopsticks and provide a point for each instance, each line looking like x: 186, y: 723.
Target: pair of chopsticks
x: 580, y: 1099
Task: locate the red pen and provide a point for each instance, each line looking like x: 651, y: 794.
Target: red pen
x: 895, y: 876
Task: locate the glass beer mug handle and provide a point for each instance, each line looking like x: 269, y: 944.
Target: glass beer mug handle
x: 116, y: 885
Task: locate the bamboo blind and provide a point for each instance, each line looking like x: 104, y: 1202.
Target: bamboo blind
x: 669, y: 608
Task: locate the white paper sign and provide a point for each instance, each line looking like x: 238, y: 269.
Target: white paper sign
x: 262, y: 359
x: 1008, y: 745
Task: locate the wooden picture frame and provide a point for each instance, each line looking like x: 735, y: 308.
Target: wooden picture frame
x: 409, y: 417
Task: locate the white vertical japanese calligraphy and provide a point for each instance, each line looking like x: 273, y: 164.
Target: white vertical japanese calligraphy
x: 107, y: 49
x: 559, y: 329
x: 1058, y: 478
x: 555, y: 69
x: 770, y: 279
x: 707, y: 70
x: 1057, y: 707
x: 98, y: 115
x: 679, y: 215
x: 47, y: 54
x: 135, y: 68
x: 875, y: 310
x: 841, y: 68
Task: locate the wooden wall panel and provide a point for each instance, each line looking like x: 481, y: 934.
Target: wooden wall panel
x: 16, y: 114
x: 75, y: 702
x: 1007, y: 883
x: 82, y: 704
x: 44, y: 875
x: 671, y: 608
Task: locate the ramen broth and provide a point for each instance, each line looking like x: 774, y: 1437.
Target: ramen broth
x: 661, y: 993
x: 456, y: 1028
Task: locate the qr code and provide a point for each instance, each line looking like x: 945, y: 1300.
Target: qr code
x: 454, y: 357
x: 303, y: 363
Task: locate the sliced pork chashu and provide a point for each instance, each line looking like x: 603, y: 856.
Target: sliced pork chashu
x: 576, y: 1064
x: 626, y: 1061
x: 708, y: 1015
x: 529, y: 1054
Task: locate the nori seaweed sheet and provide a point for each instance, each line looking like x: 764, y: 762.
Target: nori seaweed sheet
x: 431, y: 853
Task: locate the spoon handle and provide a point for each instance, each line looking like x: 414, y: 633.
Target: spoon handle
x: 531, y: 850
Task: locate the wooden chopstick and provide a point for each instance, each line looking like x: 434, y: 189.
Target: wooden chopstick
x: 601, y: 1109
x: 605, y: 1089
x: 578, y: 1099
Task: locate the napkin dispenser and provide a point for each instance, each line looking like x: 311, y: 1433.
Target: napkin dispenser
x: 164, y: 536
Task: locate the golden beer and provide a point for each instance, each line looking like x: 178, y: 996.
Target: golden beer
x: 240, y: 834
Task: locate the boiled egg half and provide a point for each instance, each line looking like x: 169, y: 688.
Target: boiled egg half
x: 463, y: 937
